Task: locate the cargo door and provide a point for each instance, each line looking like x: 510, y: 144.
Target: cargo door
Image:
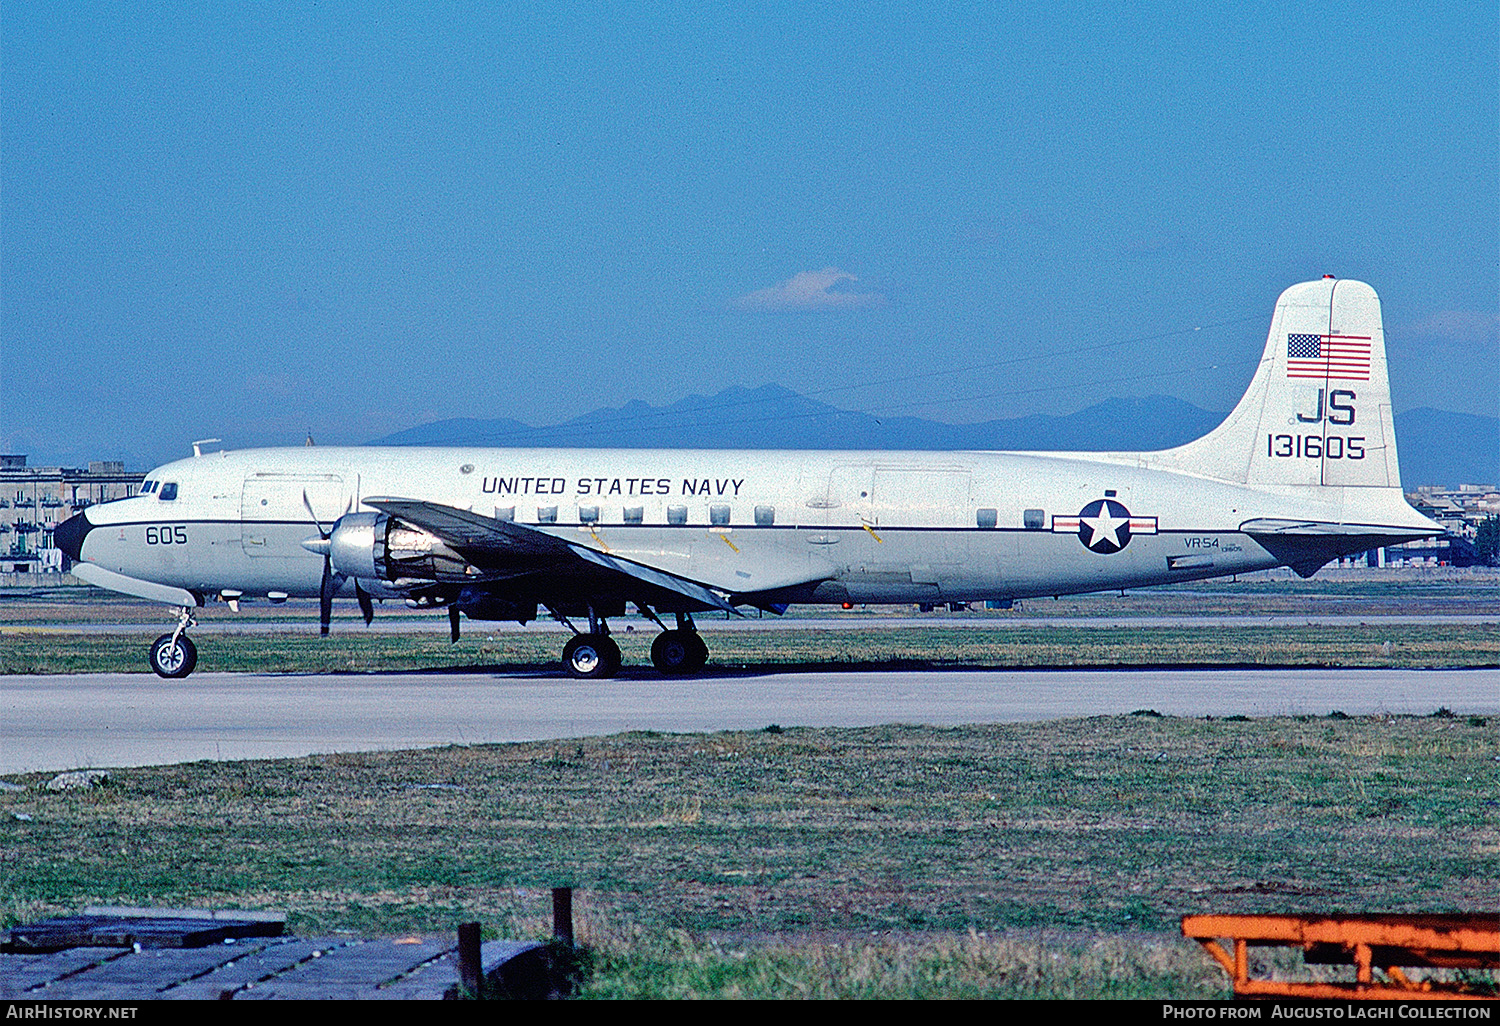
x: 275, y: 517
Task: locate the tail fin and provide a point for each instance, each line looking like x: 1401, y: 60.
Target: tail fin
x: 1318, y: 411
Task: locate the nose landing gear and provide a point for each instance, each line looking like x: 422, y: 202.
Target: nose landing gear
x: 174, y: 655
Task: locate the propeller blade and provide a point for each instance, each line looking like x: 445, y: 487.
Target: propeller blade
x: 453, y: 622
x: 318, y: 523
x: 366, y: 607
x: 325, y: 598
x: 332, y: 582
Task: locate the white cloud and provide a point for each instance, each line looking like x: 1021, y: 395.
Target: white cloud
x: 1457, y: 326
x: 810, y: 290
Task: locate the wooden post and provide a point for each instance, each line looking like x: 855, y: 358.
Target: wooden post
x: 562, y: 914
x: 470, y: 970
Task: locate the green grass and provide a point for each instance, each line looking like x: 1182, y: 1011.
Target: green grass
x: 351, y: 649
x: 967, y: 966
x: 743, y: 851
x: 1026, y: 860
x: 69, y: 630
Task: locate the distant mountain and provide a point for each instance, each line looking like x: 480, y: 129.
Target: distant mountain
x: 1435, y: 447
x: 1441, y: 448
x: 773, y: 417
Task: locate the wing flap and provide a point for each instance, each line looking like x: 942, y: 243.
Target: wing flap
x: 670, y: 582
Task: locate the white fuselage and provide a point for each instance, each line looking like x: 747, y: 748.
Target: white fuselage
x: 867, y: 526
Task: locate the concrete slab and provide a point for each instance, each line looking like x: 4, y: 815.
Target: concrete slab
x: 66, y: 721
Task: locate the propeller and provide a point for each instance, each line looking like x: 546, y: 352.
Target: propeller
x: 332, y: 579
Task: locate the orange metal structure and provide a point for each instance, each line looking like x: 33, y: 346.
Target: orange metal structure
x: 1367, y: 942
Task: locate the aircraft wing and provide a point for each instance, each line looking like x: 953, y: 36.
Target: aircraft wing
x: 490, y: 544
x: 473, y: 534
x: 652, y: 576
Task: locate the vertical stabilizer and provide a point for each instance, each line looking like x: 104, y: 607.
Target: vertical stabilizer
x: 1318, y: 411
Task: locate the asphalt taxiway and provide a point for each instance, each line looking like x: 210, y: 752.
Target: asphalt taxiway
x: 108, y: 720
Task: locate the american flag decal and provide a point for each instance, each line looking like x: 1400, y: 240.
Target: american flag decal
x: 1334, y: 357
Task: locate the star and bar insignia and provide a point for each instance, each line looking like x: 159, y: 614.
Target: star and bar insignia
x: 1104, y: 526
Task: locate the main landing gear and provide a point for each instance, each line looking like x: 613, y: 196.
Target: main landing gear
x: 594, y: 655
x: 591, y: 656
x: 174, y: 655
x: 679, y: 651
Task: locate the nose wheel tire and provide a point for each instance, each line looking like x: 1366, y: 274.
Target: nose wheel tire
x: 591, y: 656
x: 678, y: 652
x: 173, y: 659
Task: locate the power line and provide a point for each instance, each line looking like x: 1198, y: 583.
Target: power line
x: 613, y: 429
x: 631, y: 424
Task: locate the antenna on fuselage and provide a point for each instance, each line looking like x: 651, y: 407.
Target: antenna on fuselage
x: 309, y: 443
x: 198, y: 445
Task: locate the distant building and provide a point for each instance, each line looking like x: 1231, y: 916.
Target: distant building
x: 1460, y: 511
x: 34, y: 500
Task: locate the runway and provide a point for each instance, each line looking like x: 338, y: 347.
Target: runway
x: 114, y: 720
x: 431, y: 625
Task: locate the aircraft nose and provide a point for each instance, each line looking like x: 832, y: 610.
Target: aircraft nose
x: 69, y: 535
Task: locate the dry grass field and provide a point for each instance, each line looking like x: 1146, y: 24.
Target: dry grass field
x: 1018, y: 860
x: 1065, y: 851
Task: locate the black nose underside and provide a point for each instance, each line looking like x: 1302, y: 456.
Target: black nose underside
x: 69, y: 535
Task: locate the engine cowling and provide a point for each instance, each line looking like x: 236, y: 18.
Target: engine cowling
x: 377, y: 545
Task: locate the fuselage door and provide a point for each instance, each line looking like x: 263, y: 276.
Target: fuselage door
x: 275, y: 519
x: 848, y: 500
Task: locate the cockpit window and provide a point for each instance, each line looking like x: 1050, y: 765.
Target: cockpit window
x: 148, y: 487
x: 168, y: 491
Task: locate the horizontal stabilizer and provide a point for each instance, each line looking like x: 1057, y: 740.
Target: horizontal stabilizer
x: 1387, y: 533
x: 1306, y: 546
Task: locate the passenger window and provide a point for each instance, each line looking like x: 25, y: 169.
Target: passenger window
x: 546, y: 514
x: 987, y: 518
x: 588, y: 514
x: 1034, y: 519
x: 506, y: 513
x: 676, y: 514
x: 718, y: 515
x: 765, y: 516
x: 168, y: 491
x: 634, y: 514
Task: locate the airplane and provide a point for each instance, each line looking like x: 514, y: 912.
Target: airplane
x: 1302, y: 471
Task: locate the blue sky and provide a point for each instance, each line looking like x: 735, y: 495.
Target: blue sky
x: 248, y: 221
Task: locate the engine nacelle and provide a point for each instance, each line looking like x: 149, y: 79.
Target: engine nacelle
x: 481, y: 605
x: 376, y: 545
